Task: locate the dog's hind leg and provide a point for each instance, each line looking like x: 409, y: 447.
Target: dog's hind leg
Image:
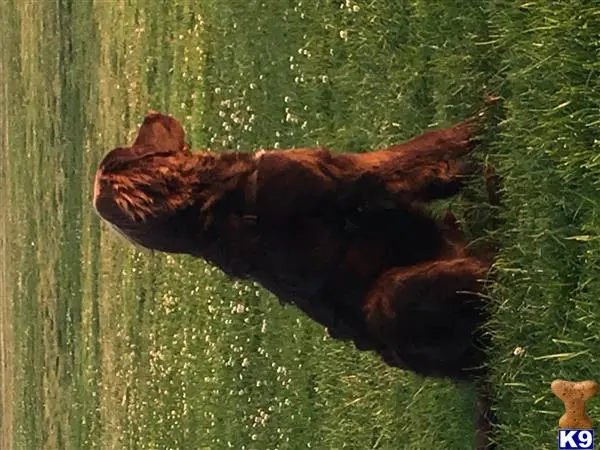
x: 429, y: 319
x: 429, y: 316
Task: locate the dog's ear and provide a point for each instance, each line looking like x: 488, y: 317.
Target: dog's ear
x: 161, y: 132
x: 121, y: 157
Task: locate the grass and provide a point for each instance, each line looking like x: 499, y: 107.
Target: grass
x: 104, y: 347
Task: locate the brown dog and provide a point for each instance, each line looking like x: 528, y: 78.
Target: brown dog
x: 345, y: 237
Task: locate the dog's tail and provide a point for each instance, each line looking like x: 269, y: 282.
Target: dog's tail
x: 485, y: 417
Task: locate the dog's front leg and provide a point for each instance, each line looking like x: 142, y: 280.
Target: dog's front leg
x: 444, y: 143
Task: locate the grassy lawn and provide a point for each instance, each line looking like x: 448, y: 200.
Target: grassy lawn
x: 104, y: 347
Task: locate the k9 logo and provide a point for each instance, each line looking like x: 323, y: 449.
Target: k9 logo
x: 575, y: 439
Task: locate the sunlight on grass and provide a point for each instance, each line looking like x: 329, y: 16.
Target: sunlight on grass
x: 111, y: 348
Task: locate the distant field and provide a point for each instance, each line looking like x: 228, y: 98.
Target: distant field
x: 103, y: 347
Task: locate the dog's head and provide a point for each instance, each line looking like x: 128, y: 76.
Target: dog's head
x: 143, y: 181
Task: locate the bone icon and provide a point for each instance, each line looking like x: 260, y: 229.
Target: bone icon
x: 574, y: 395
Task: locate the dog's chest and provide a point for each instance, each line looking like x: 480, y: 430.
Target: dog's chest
x: 295, y: 261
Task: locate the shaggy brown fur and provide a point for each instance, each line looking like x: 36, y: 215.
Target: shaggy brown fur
x: 344, y: 237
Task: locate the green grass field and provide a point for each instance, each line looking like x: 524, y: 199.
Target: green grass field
x: 106, y: 348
